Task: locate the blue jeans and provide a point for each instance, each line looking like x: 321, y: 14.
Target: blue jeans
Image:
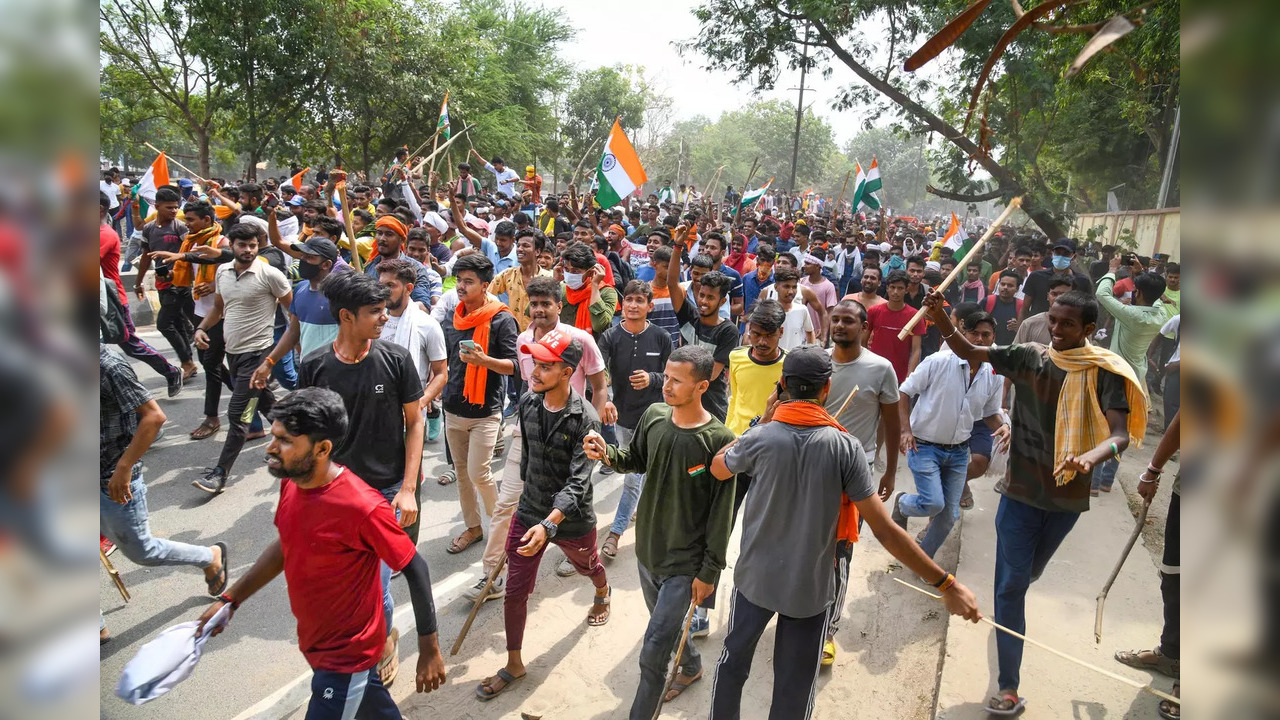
x: 126, y: 525
x: 342, y: 696
x: 939, y: 474
x: 1104, y: 476
x: 1026, y: 538
x: 632, y: 484
x: 388, y: 608
x: 284, y: 371
x: 667, y: 598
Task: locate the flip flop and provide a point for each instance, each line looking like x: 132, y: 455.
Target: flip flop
x: 458, y: 545
x: 1019, y: 703
x: 1162, y: 665
x: 389, y: 665
x: 222, y: 576
x: 598, y: 620
x: 828, y: 653
x: 486, y: 693
x: 678, y: 687
x: 966, y: 499
x: 188, y: 375
x: 206, y: 429
x: 448, y: 477
x: 610, y: 547
x: 1166, y: 708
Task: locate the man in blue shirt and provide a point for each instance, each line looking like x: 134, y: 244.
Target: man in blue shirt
x: 755, y: 282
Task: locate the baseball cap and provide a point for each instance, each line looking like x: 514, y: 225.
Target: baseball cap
x: 321, y: 246
x: 555, y: 346
x: 1065, y: 243
x: 297, y: 200
x: 809, y: 364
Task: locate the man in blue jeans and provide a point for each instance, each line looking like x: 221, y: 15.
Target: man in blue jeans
x: 129, y: 420
x: 1046, y: 485
x: 951, y: 396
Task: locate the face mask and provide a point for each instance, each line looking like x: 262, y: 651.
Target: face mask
x: 896, y: 263
x: 307, y: 271
x: 573, y: 280
x: 1061, y: 262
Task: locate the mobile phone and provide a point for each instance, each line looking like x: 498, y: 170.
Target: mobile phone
x: 782, y: 391
x: 468, y: 344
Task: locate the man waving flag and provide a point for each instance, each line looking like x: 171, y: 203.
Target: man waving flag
x: 749, y: 199
x: 619, y: 172
x: 157, y: 176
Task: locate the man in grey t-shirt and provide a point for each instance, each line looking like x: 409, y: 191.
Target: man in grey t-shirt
x: 803, y: 464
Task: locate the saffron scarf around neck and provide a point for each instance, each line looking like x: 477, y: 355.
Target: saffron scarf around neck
x: 807, y: 414
x: 581, y: 298
x: 1081, y: 424
x: 478, y: 321
x: 187, y: 274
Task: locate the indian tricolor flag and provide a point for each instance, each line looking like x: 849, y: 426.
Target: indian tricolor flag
x: 749, y: 199
x: 620, y: 171
x: 859, y: 184
x: 957, y: 239
x: 157, y: 176
x: 867, y: 190
x: 442, y: 125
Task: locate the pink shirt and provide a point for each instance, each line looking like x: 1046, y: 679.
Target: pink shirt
x: 592, y: 360
x: 827, y: 295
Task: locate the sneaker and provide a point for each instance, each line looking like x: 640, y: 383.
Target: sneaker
x: 434, y: 426
x: 701, y: 625
x: 175, y: 383
x: 605, y: 469
x: 565, y: 568
x: 511, y: 411
x: 497, y: 590
x: 106, y: 546
x: 126, y: 267
x: 212, y: 482
x: 896, y: 514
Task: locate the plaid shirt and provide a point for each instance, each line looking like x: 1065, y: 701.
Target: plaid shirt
x: 555, y: 468
x: 122, y: 395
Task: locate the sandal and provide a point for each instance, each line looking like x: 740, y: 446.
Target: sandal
x: 966, y: 498
x: 602, y: 618
x: 828, y: 653
x: 610, y: 547
x: 188, y: 375
x: 1163, y: 665
x: 679, y: 685
x: 206, y: 429
x: 486, y: 691
x: 389, y: 665
x: 460, y: 543
x: 1006, y: 704
x: 218, y: 584
x: 448, y: 477
x: 1171, y: 710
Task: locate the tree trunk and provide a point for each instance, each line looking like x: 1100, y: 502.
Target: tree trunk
x: 252, y: 173
x: 202, y: 150
x: 1042, y: 216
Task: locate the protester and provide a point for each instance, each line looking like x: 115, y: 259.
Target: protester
x: 754, y: 368
x: 685, y: 515
x: 311, y: 324
x: 885, y: 321
x: 176, y: 318
x: 753, y: 283
x: 869, y: 297
x: 714, y: 246
x: 334, y: 533
x: 418, y: 332
x: 1005, y: 308
x: 1036, y: 327
x: 702, y: 325
x: 590, y: 299
x: 798, y: 327
x: 821, y: 287
x: 1036, y: 287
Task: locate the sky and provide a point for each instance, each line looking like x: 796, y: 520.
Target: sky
x: 644, y: 33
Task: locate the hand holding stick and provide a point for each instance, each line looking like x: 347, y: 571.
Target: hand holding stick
x: 1014, y: 204
x: 356, y: 262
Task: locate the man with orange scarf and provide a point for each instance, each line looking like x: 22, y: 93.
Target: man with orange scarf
x: 481, y: 337
x: 590, y: 297
x: 808, y: 472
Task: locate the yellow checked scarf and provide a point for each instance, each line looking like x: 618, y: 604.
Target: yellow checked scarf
x: 1081, y: 423
x: 183, y: 271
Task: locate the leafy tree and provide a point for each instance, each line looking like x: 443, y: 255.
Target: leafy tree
x: 598, y: 97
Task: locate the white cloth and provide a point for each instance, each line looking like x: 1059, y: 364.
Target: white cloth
x: 419, y: 333
x: 288, y: 229
x: 949, y: 404
x: 434, y: 220
x: 1170, y: 330
x: 113, y: 192
x: 167, y: 660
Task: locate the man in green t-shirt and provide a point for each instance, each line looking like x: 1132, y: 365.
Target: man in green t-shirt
x: 683, y: 520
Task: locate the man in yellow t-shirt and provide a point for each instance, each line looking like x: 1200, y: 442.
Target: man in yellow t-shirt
x: 755, y: 368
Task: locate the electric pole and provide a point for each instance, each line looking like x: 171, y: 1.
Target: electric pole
x: 795, y: 143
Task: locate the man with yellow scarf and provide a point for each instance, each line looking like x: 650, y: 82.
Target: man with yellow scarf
x: 1077, y: 405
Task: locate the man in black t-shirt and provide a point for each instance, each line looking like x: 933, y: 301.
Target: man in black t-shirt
x: 701, y: 324
x: 381, y: 390
x: 1036, y: 290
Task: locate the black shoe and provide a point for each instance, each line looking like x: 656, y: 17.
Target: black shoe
x: 175, y: 383
x: 212, y: 482
x: 896, y: 515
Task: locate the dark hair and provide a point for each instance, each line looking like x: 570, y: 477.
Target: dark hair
x: 662, y: 253
x: 859, y: 309
x: 663, y: 236
x: 1084, y: 302
x: 328, y: 227
x: 506, y: 228
x: 539, y: 240
x: 387, y: 202
x: 702, y: 260
x: 871, y: 254
x: 418, y: 234
x: 767, y: 315
x: 932, y: 278
x: 584, y: 224
x: 401, y: 268
x: 199, y: 208
x: 253, y: 189
x: 716, y: 279
x: 786, y: 274
x: 879, y: 271
x: 405, y: 215
x: 242, y: 231
x: 964, y: 310
x: 361, y: 189
x: 1010, y: 274
x: 166, y: 195
x: 1151, y: 285
x: 521, y: 219
x: 316, y: 412
x: 1172, y: 268
x: 363, y: 214
x: 699, y: 357
x: 952, y: 262
x: 974, y: 319
x: 477, y: 263
x: 765, y: 253
x: 916, y: 260
x: 579, y: 255
x: 671, y: 221
x: 1057, y: 281
x: 713, y: 235
x: 638, y: 287
x: 103, y: 200
x: 896, y: 276
x: 552, y: 204
x: 496, y: 160
x: 1022, y: 251
x: 351, y: 291
x: 543, y: 286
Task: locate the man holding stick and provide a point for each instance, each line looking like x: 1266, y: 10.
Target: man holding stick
x: 1060, y: 431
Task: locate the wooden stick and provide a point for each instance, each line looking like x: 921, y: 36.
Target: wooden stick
x: 356, y: 261
x: 737, y: 222
x: 436, y: 138
x: 115, y: 574
x: 840, y: 199
x: 1115, y: 572
x: 437, y: 151
x: 1014, y: 204
x: 845, y: 404
x: 583, y: 161
x: 1127, y: 681
x: 169, y: 158
x: 675, y: 666
x: 475, y: 608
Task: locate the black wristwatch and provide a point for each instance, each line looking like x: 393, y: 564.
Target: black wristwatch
x: 550, y: 527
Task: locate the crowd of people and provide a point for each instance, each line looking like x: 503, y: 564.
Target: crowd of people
x: 737, y: 365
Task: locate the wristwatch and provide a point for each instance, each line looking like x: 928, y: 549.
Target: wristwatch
x: 550, y: 527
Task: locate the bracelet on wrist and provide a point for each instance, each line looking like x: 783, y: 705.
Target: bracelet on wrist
x: 271, y: 361
x: 1155, y: 470
x: 227, y: 599
x: 947, y: 583
x: 1115, y: 452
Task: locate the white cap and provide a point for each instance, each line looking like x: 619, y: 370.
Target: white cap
x: 434, y: 220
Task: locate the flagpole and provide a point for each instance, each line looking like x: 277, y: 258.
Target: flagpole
x: 169, y: 158
x: 436, y: 139
x: 840, y: 199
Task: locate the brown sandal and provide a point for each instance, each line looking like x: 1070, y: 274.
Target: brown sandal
x: 610, y: 547
x: 679, y: 685
x: 602, y: 618
x: 460, y: 543
x: 206, y: 429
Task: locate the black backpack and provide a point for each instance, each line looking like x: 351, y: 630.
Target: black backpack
x: 111, y: 319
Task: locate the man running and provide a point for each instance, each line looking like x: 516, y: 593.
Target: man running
x: 885, y: 321
x: 335, y: 531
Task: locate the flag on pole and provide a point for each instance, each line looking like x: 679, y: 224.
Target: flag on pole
x: 867, y: 190
x: 156, y: 177
x: 957, y: 239
x: 296, y: 180
x: 442, y: 126
x: 755, y: 196
x: 619, y: 172
x: 859, y: 185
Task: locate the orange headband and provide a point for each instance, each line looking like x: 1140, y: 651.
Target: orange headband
x: 390, y: 221
x: 621, y: 232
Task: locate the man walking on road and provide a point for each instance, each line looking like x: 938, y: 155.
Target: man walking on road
x: 335, y: 531
x: 176, y: 317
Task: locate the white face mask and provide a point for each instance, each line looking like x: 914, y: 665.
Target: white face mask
x: 573, y: 280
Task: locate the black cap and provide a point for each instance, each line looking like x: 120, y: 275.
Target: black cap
x: 321, y: 246
x: 809, y: 364
x: 1066, y: 244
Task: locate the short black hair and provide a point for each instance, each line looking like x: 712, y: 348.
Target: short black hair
x: 974, y: 319
x: 767, y: 315
x: 1022, y: 251
x: 538, y: 238
x: 765, y: 253
x: 702, y: 260
x: 328, y: 227
x: 363, y: 214
x: 963, y: 310
x: 1151, y: 285
x: 167, y: 195
x: 1086, y: 303
x: 253, y: 189
x: 579, y: 255
x: 858, y: 308
x: 662, y: 254
x: 896, y: 276
x: 200, y: 208
x: 552, y: 204
x: 496, y: 160
x: 400, y: 268
x: 351, y: 291
x: 543, y: 286
x: 1172, y: 268
x: 477, y: 263
x: 713, y: 235
x: 418, y: 234
x: 1057, y: 281
x: 717, y: 279
x: 242, y: 231
x: 385, y: 202
x: 699, y: 357
x: 1017, y: 279
x: 638, y: 287
x: 103, y: 200
x: 916, y: 260
x: 506, y: 228
x: 785, y: 274
x: 316, y: 412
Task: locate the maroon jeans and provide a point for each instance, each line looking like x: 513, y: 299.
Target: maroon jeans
x: 522, y: 571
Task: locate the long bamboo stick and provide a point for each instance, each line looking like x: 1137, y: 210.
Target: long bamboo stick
x: 1014, y: 204
x: 356, y: 261
x: 169, y: 158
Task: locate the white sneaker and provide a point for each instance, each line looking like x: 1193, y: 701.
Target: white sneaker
x: 497, y: 590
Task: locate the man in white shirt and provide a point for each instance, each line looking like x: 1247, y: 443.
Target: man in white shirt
x: 505, y: 177
x: 952, y: 396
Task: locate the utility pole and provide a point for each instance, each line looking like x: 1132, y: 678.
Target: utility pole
x: 1163, y: 197
x: 795, y: 143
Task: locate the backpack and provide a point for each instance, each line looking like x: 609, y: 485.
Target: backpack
x: 991, y: 304
x: 622, y: 272
x: 111, y: 316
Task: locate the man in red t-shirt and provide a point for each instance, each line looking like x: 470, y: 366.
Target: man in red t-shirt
x: 885, y: 321
x: 335, y: 531
x: 109, y: 262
